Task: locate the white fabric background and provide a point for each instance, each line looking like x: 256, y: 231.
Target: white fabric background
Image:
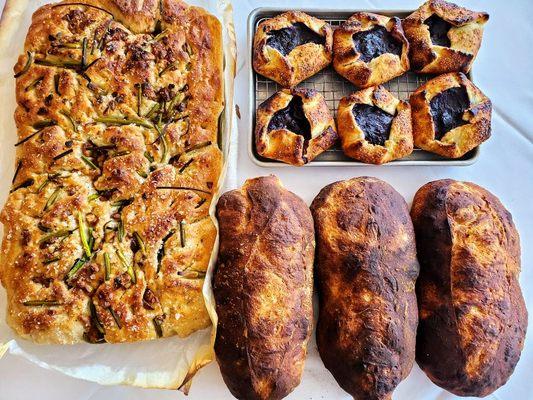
x: 503, y: 70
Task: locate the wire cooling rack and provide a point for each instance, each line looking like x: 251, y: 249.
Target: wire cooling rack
x: 334, y: 87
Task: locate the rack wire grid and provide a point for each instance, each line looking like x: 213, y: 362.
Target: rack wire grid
x: 334, y: 87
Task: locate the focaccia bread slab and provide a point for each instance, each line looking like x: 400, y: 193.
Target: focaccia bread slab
x: 107, y: 230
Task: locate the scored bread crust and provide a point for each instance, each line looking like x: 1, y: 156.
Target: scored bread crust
x: 366, y: 269
x: 95, y: 151
x: 460, y: 140
x: 473, y: 317
x: 465, y: 37
x: 379, y: 70
x: 263, y: 288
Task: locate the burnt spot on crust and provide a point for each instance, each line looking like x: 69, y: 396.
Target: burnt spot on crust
x: 438, y: 30
x: 292, y: 118
x: 374, y: 122
x: 375, y: 42
x: 447, y: 109
x: 287, y: 39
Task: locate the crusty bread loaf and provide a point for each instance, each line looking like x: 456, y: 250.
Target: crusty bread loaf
x: 472, y: 314
x: 263, y: 287
x: 366, y: 272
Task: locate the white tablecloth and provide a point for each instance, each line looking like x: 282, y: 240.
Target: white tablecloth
x: 503, y: 70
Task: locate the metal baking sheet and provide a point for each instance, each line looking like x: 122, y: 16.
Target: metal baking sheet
x: 334, y: 87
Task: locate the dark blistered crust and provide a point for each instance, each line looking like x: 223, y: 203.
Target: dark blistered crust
x: 289, y: 147
x: 465, y: 37
x: 366, y: 269
x: 121, y: 40
x: 263, y: 286
x: 380, y: 69
x: 473, y: 318
x: 457, y: 142
x: 301, y: 63
x: 354, y: 144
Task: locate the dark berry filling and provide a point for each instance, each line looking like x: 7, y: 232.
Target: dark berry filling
x: 292, y: 118
x: 374, y: 122
x: 287, y: 39
x: 375, y: 42
x: 447, y: 110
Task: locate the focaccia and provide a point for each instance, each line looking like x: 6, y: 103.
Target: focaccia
x: 107, y: 228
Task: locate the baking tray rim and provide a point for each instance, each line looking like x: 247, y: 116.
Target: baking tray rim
x: 252, y: 17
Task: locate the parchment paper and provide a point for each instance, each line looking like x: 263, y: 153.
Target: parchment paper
x: 166, y: 363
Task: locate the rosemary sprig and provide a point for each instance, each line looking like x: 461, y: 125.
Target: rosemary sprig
x: 52, y: 199
x: 183, y: 188
x: 115, y: 317
x: 189, y: 162
x: 34, y: 84
x: 30, y: 57
x: 27, y: 183
x: 42, y: 303
x: 107, y: 267
x: 80, y: 262
x: 83, y: 235
x: 139, y: 98
x: 120, y: 230
x: 17, y: 170
x: 129, y: 266
x: 94, y: 317
x: 51, y: 260
x: 201, y: 202
x: 61, y: 155
x: 92, y: 197
x: 161, y: 251
x: 159, y: 36
x: 113, y: 120
x: 153, y: 110
x: 39, y: 126
x: 70, y: 120
x: 182, y: 233
x: 164, y: 149
x: 59, y: 63
x: 140, y: 242
x: 84, y: 53
x: 148, y: 156
x: 57, y: 234
x: 157, y: 326
x: 198, y: 146
x: 88, y: 161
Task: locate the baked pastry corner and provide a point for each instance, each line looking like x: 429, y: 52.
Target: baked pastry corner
x: 374, y: 126
x: 451, y: 116
x: 292, y: 47
x: 443, y: 37
x: 294, y: 126
x: 370, y: 49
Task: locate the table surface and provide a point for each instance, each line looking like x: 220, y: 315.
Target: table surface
x: 502, y: 71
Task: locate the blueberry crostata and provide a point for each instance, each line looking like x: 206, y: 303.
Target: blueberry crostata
x: 294, y: 126
x: 451, y: 116
x: 374, y: 126
x: 107, y: 233
x: 443, y: 37
x: 370, y: 49
x: 292, y: 47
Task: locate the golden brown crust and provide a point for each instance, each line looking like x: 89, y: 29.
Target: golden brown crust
x: 303, y: 61
x: 366, y: 269
x: 465, y: 37
x: 400, y: 141
x: 285, y: 145
x: 91, y: 154
x: 380, y: 69
x: 473, y: 318
x: 263, y: 286
x: 456, y: 142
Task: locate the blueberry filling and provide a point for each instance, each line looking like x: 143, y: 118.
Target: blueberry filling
x: 375, y: 42
x: 292, y: 118
x: 374, y: 122
x: 447, y: 110
x: 438, y: 30
x: 286, y: 39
